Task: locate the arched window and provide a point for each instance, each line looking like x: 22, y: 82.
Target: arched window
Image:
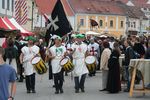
x: 111, y: 23
x: 121, y: 24
x: 82, y: 22
x: 101, y: 23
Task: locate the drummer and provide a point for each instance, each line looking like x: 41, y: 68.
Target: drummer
x: 57, y: 52
x: 28, y: 52
x: 80, y: 70
x: 93, y: 49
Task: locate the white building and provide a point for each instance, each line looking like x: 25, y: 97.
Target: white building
x: 6, y: 8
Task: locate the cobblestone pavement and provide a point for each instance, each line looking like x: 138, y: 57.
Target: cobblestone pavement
x: 44, y: 91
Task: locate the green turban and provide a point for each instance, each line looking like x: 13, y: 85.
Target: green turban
x: 30, y: 38
x: 80, y: 36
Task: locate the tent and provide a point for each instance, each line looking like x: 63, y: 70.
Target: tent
x: 11, y: 24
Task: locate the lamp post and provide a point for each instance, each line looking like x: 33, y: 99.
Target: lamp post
x: 127, y: 26
x: 32, y: 15
x: 149, y: 25
x: 141, y: 18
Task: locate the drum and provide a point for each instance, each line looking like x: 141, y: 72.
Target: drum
x: 90, y: 63
x: 67, y: 64
x: 39, y: 65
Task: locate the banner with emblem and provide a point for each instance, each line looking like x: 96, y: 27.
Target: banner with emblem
x: 58, y: 23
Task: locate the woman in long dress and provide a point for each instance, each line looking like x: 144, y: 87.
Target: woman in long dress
x: 113, y: 83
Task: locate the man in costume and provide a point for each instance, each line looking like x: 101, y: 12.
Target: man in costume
x: 57, y: 53
x: 93, y: 49
x: 28, y: 53
x: 80, y: 70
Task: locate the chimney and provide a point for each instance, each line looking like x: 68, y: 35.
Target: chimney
x: 129, y: 3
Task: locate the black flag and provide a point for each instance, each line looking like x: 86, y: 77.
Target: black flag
x: 58, y: 22
x: 93, y: 23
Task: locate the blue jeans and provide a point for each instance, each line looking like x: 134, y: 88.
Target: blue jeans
x: 127, y: 77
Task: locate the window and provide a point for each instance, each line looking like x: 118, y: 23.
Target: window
x: 134, y: 24
x: 81, y: 22
x: 131, y: 24
x: 128, y: 24
x: 3, y: 4
x: 12, y: 5
x: 101, y: 23
x: 121, y: 24
x: 111, y: 23
x: 8, y: 4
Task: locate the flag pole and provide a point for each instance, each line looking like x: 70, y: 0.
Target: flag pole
x: 49, y: 44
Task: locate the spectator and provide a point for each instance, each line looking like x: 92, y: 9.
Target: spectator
x: 7, y: 74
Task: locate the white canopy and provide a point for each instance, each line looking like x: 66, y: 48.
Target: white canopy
x: 92, y: 33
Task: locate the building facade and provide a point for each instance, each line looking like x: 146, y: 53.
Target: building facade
x: 111, y: 24
x: 6, y: 8
x: 114, y: 17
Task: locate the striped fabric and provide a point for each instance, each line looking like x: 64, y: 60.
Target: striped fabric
x: 21, y: 11
x: 11, y: 24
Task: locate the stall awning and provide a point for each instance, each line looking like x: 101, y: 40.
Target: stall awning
x: 11, y: 24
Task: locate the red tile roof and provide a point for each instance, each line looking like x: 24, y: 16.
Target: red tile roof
x: 96, y: 7
x: 46, y: 6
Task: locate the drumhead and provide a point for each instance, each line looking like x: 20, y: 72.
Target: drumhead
x: 90, y: 59
x: 35, y: 60
x: 64, y: 61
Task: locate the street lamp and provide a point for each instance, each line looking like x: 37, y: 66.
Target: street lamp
x: 149, y: 25
x: 141, y: 18
x: 32, y: 14
x: 127, y: 26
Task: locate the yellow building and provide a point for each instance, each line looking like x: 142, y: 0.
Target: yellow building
x: 110, y: 17
x: 112, y: 24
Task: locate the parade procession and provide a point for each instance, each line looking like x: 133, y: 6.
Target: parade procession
x: 74, y: 49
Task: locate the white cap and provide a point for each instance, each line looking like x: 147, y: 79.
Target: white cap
x: 56, y: 36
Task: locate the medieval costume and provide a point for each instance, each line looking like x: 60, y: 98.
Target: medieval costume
x: 28, y: 53
x: 93, y: 49
x: 113, y: 83
x: 57, y: 53
x: 80, y: 69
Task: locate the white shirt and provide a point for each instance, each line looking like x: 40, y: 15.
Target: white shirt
x: 93, y: 49
x: 28, y: 54
x: 79, y: 59
x: 111, y: 45
x: 58, y: 52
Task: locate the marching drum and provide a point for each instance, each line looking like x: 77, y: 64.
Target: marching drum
x: 67, y: 64
x: 90, y: 63
x: 39, y: 65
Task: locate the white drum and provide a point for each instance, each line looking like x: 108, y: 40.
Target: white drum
x: 90, y: 63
